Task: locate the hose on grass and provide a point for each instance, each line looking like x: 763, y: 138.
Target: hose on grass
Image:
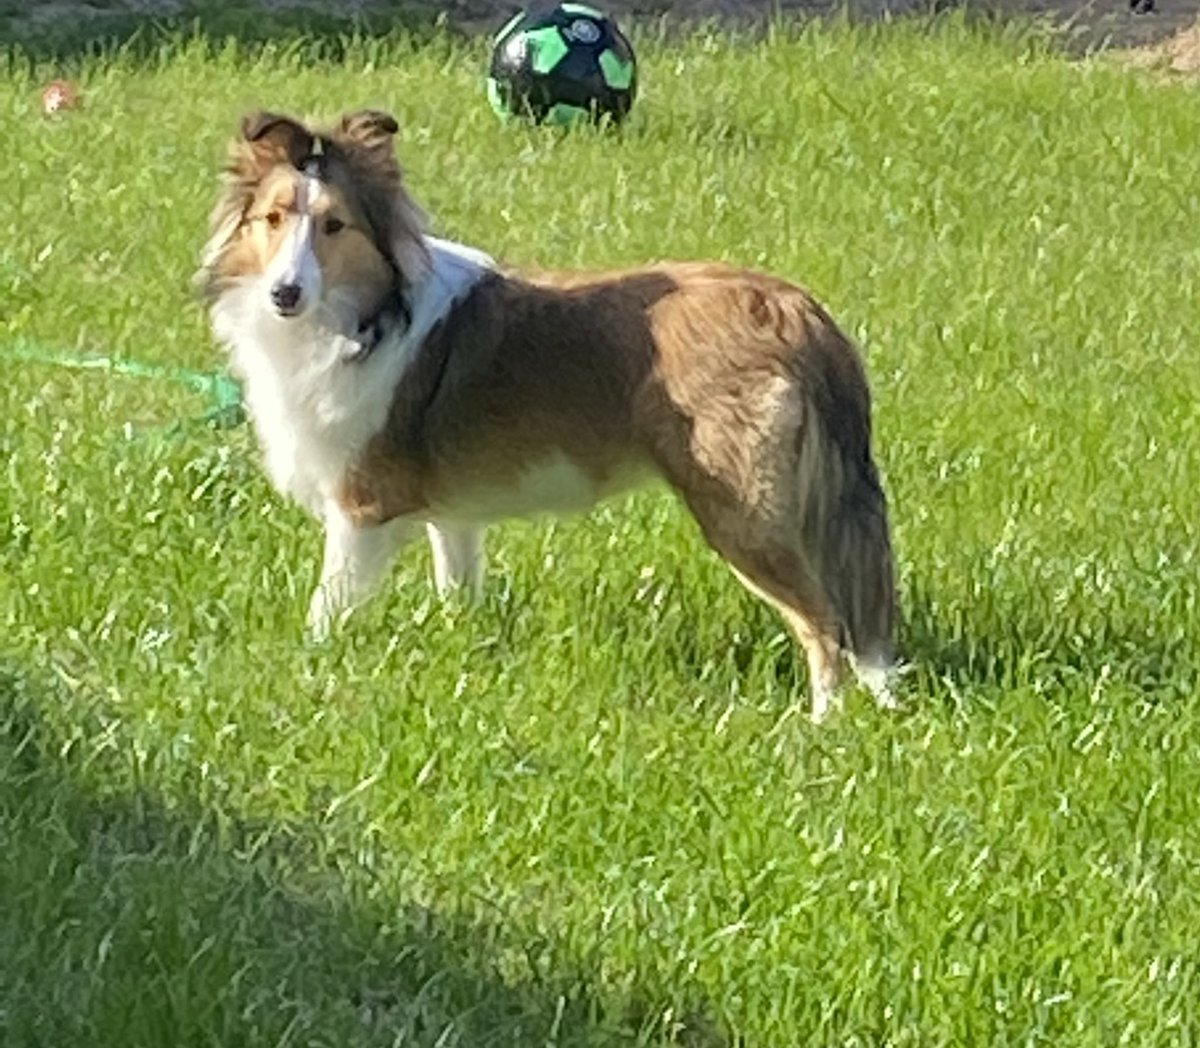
x: 222, y: 392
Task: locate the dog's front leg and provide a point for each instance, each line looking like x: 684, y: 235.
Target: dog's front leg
x: 356, y: 558
x: 458, y: 559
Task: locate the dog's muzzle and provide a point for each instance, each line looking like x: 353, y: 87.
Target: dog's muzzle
x: 286, y: 299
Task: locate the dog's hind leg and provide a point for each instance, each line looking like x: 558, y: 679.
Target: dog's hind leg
x: 356, y: 559
x: 822, y: 557
x: 458, y: 558
x: 785, y: 583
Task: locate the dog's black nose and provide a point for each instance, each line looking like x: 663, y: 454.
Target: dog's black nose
x: 285, y: 296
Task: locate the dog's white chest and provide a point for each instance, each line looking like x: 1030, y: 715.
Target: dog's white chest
x: 313, y: 427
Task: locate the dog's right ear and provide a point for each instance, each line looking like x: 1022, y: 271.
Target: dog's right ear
x: 371, y: 128
x: 277, y: 138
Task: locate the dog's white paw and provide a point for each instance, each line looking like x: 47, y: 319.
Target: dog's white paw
x: 825, y: 703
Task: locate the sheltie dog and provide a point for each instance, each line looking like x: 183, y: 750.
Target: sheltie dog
x: 399, y: 382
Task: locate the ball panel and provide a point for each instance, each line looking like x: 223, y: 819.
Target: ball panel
x: 546, y: 48
x: 618, y: 73
x: 584, y: 10
x: 508, y: 27
x: 497, y: 98
x: 563, y: 114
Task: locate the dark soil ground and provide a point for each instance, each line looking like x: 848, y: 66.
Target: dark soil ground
x: 1082, y: 24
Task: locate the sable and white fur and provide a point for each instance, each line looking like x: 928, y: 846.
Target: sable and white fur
x: 401, y: 383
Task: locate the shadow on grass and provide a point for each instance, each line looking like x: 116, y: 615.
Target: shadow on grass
x: 1002, y: 643
x: 946, y: 641
x: 126, y: 922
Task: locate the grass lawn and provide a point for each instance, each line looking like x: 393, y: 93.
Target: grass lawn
x: 592, y: 813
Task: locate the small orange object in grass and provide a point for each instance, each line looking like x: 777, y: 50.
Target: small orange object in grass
x: 59, y: 95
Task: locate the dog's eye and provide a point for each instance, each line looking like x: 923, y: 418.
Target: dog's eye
x: 273, y: 219
x: 334, y: 225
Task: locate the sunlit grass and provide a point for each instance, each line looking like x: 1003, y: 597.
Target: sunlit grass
x: 590, y: 812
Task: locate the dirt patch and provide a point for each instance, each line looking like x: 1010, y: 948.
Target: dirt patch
x: 1081, y: 24
x: 1177, y: 54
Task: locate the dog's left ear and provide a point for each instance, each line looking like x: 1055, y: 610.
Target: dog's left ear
x: 272, y: 136
x: 370, y: 128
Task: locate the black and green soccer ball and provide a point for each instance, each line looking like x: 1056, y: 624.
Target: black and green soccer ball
x: 562, y: 63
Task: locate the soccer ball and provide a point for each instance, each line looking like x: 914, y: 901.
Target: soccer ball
x: 562, y: 63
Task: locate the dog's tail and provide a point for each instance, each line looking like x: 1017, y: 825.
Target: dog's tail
x: 845, y: 519
x: 857, y: 566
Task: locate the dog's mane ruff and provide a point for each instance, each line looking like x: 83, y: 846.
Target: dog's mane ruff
x: 358, y: 151
x: 227, y: 215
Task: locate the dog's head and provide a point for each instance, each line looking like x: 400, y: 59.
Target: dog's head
x: 311, y: 220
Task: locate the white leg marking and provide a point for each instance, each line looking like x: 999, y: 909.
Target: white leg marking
x: 878, y: 675
x: 458, y: 559
x: 825, y: 700
x: 355, y: 561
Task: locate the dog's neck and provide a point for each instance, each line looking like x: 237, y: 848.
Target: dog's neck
x: 394, y: 314
x: 410, y: 310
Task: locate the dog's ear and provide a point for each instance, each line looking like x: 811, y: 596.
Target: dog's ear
x: 371, y: 128
x: 276, y: 137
